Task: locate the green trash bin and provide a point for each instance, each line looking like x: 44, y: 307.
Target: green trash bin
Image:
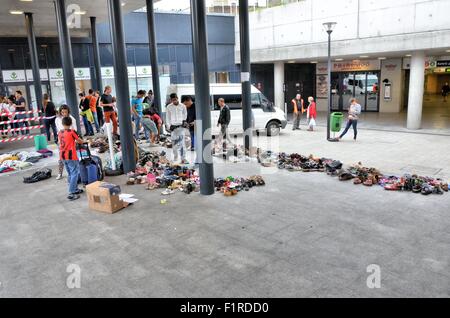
x: 336, y: 121
x: 40, y: 142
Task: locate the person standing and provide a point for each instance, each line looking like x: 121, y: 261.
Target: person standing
x: 50, y: 118
x: 106, y: 102
x: 149, y: 98
x: 99, y: 110
x: 12, y: 109
x: 191, y: 117
x: 445, y: 91
x: 4, y: 115
x: 21, y: 106
x: 64, y: 111
x: 353, y: 111
x: 136, y: 110
x: 223, y: 122
x: 86, y: 114
x: 299, y: 109
x: 176, y: 115
x: 93, y: 107
x: 68, y: 155
x: 311, y: 113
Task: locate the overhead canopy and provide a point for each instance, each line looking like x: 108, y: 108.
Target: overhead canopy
x: 13, y: 25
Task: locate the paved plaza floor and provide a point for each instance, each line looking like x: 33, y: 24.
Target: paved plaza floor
x: 301, y: 235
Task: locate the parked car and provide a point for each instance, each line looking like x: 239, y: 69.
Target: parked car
x: 266, y: 117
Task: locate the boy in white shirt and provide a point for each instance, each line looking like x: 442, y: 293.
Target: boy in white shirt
x: 176, y: 115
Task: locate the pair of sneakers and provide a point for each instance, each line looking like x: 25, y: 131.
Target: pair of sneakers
x: 76, y: 195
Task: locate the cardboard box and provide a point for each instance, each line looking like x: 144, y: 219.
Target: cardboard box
x: 100, y: 198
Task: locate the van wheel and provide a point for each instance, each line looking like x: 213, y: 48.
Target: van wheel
x: 273, y: 128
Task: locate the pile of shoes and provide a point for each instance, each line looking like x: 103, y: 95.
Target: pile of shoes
x: 361, y: 175
x: 415, y: 184
x: 230, y: 186
x: 357, y: 172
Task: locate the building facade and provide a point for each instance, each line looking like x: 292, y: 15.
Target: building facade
x: 375, y: 47
x: 174, y: 56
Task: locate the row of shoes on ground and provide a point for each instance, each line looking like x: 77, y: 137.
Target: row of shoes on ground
x: 358, y: 173
x: 231, y: 186
x: 415, y: 184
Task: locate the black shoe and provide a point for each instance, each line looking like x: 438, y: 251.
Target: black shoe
x: 73, y: 197
x: 79, y: 191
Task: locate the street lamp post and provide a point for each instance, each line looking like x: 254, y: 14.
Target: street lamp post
x: 329, y: 26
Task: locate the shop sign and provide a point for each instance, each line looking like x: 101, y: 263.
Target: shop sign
x: 107, y: 72
x: 349, y: 66
x: 429, y: 64
x: 144, y: 71
x: 43, y: 75
x: 82, y: 74
x: 390, y: 67
x: 131, y: 71
x: 442, y: 63
x: 322, y: 86
x: 13, y: 76
x: 56, y: 74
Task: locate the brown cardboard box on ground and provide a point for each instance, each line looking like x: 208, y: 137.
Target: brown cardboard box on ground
x: 100, y: 199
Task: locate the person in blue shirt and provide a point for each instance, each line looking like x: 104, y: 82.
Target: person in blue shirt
x: 137, y: 108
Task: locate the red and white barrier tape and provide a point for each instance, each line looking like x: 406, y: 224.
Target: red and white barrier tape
x: 23, y: 113
x: 22, y: 129
x: 15, y: 139
x: 20, y: 120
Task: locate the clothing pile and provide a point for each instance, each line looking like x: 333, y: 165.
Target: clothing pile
x: 230, y: 186
x: 22, y: 160
x: 360, y: 174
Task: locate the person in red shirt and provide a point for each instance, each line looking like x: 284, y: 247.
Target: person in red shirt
x: 68, y: 139
x: 311, y: 113
x: 158, y: 122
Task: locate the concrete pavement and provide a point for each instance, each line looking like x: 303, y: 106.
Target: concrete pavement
x: 302, y: 235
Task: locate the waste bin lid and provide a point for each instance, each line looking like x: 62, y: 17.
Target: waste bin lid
x: 337, y: 114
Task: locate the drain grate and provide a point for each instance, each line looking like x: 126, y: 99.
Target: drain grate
x: 423, y: 170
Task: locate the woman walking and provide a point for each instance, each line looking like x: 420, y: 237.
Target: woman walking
x: 353, y: 111
x: 311, y: 113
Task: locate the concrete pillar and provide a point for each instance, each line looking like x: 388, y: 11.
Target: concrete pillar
x: 416, y: 90
x: 65, y: 47
x: 244, y: 33
x: 202, y: 97
x: 153, y: 55
x: 97, y: 83
x: 34, y: 58
x: 122, y: 88
x: 278, y: 84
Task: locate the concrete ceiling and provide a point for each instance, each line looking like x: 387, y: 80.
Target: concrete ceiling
x: 45, y: 20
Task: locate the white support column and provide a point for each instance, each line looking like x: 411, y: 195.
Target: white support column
x: 278, y: 84
x: 416, y: 90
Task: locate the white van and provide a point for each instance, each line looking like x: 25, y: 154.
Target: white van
x: 266, y: 117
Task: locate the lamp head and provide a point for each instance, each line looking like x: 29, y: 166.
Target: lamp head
x: 329, y: 26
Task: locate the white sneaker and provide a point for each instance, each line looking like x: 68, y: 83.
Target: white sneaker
x: 167, y: 192
x: 59, y: 177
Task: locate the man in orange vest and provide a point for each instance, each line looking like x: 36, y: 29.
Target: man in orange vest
x: 299, y: 109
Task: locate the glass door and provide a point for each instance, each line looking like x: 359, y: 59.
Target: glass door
x: 342, y: 89
x: 373, y: 92
x: 45, y: 90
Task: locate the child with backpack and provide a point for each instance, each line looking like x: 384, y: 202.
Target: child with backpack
x: 68, y: 154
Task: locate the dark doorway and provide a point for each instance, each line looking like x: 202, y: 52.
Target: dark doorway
x: 299, y: 79
x: 262, y: 79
